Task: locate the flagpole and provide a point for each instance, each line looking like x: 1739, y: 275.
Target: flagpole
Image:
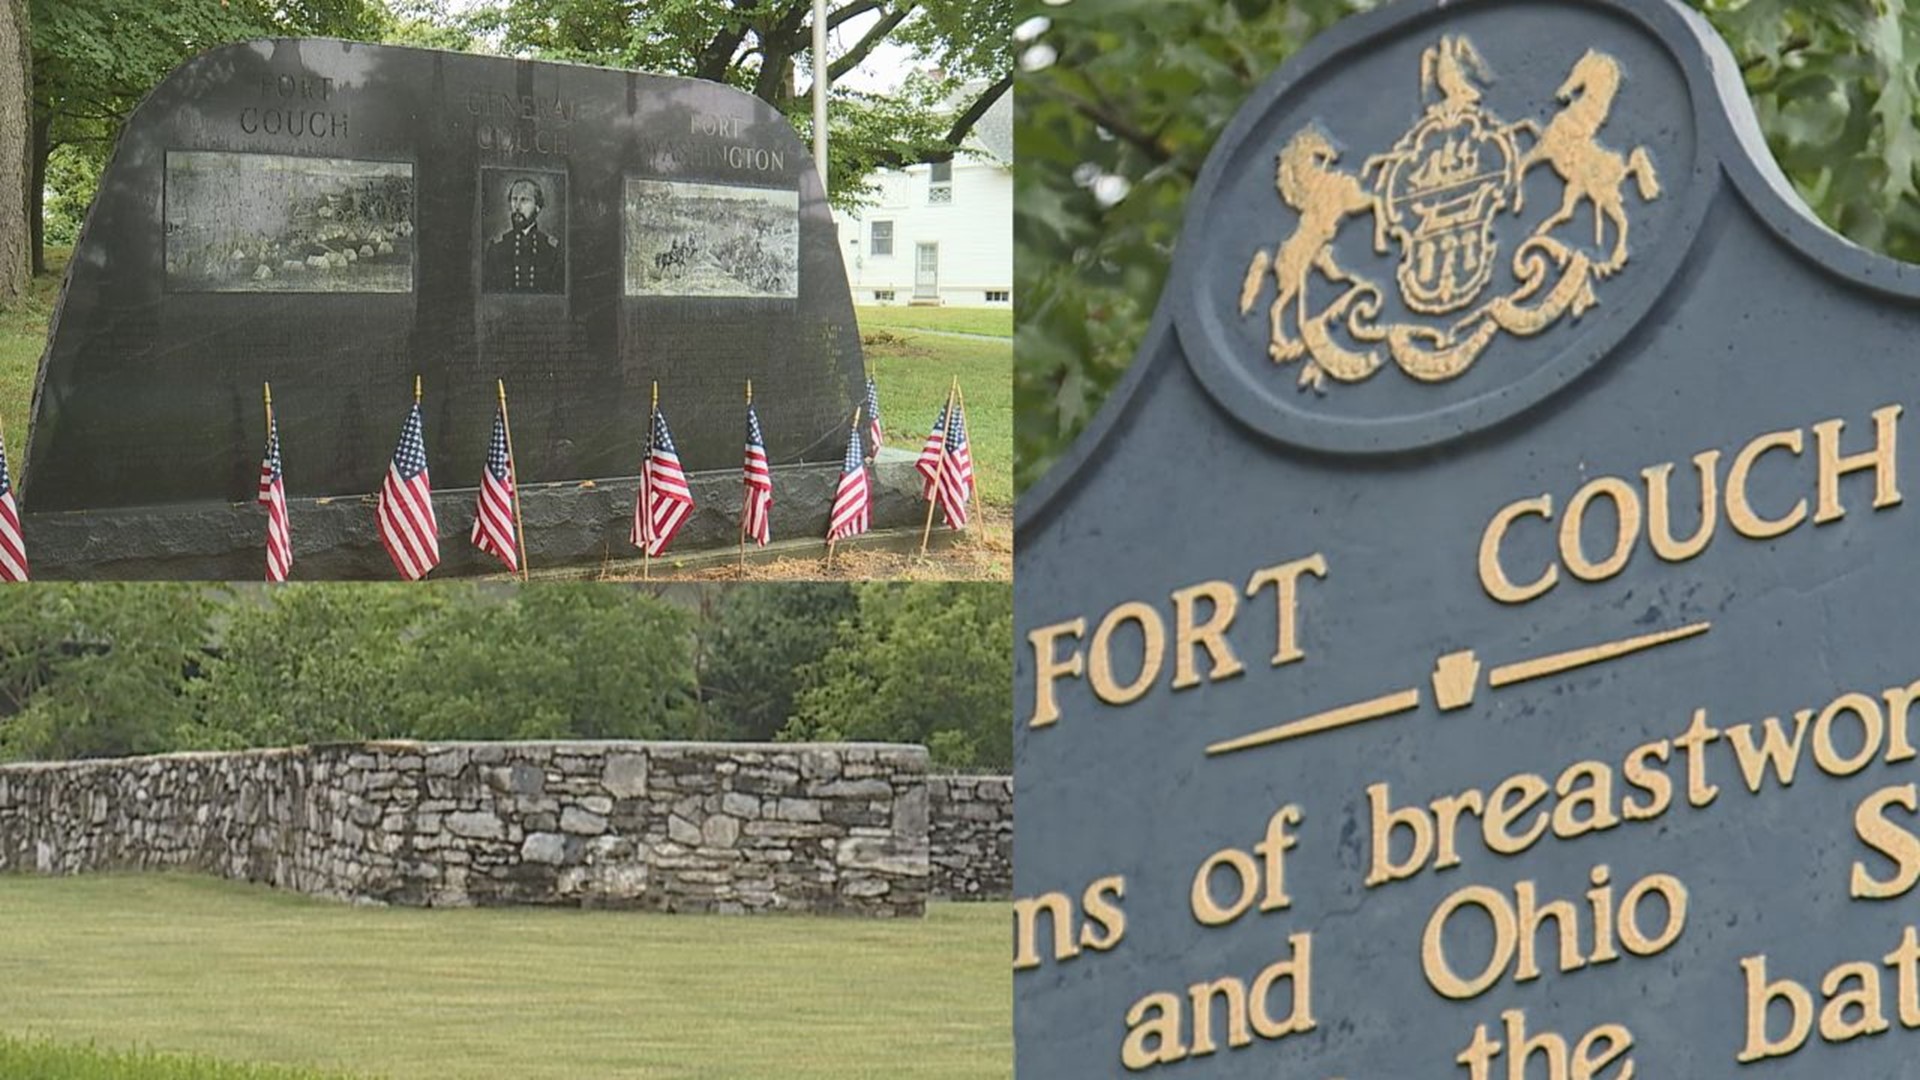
x: 645, y: 511
x: 416, y: 389
x: 927, y: 532
x: 513, y: 470
x: 831, y: 540
x: 746, y: 493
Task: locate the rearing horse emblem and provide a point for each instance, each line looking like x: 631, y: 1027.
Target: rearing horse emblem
x: 1438, y: 194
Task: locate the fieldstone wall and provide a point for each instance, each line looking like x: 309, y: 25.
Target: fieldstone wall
x: 970, y: 845
x: 723, y: 827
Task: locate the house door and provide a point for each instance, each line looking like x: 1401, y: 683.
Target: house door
x: 926, y: 272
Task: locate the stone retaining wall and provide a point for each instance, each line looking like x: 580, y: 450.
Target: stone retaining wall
x: 726, y: 827
x: 971, y: 837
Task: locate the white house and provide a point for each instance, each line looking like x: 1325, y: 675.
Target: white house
x: 941, y: 233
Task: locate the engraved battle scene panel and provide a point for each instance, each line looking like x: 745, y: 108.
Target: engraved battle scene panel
x: 711, y: 240
x: 277, y: 223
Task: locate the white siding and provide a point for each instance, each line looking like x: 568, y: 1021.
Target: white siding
x: 974, y: 234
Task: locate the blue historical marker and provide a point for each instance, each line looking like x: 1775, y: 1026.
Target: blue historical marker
x: 1478, y: 637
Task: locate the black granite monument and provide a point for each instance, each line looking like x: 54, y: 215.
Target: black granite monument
x: 1477, y: 639
x: 335, y: 218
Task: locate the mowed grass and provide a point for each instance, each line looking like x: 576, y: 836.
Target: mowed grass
x: 42, y: 1059
x: 913, y: 370
x: 180, y: 964
x: 992, y: 322
x: 23, y: 337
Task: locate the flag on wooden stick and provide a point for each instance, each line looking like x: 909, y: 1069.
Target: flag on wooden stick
x: 665, y: 500
x: 757, y: 511
x: 273, y: 496
x: 955, y: 487
x: 408, y: 529
x: 874, y: 433
x: 852, y: 503
x: 493, y: 516
x: 13, y: 547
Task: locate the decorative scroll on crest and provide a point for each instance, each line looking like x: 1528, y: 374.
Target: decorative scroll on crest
x: 1437, y: 194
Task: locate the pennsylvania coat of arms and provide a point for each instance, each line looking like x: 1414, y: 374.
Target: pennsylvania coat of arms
x: 1436, y: 195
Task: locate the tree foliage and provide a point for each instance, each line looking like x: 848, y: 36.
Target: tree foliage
x: 761, y: 641
x: 1120, y: 101
x: 127, y: 669
x: 119, y: 654
x: 929, y: 664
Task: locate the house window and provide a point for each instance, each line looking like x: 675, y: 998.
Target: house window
x: 883, y: 296
x: 940, y: 183
x: 999, y: 296
x: 883, y: 238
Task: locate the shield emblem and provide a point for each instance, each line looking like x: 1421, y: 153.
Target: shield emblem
x: 1451, y: 174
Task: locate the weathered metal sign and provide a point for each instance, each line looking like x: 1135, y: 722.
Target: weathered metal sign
x: 1478, y: 638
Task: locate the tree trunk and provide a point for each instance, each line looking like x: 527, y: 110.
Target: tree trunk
x: 42, y: 151
x: 16, y: 117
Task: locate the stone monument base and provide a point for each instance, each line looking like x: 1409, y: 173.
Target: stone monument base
x: 573, y: 523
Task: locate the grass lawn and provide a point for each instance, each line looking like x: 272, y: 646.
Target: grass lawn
x: 993, y: 322
x: 42, y: 1059
x: 179, y: 964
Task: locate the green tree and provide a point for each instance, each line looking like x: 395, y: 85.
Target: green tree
x: 314, y: 663
x: 764, y: 46
x: 99, y: 671
x: 310, y: 663
x: 927, y: 663
x: 757, y: 645
x: 1120, y: 101
x: 575, y: 661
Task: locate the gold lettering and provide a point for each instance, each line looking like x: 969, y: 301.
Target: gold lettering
x: 1739, y: 510
x: 1530, y: 915
x: 1660, y: 509
x: 1898, y: 844
x: 1834, y: 1025
x: 1386, y: 819
x: 1106, y: 912
x: 1881, y: 459
x: 1047, y: 667
x: 1433, y: 953
x: 1163, y: 1028
x: 1626, y: 526
x: 1285, y: 579
x: 1654, y: 782
x: 1827, y: 755
x: 1761, y: 994
x: 1212, y: 635
x: 1152, y: 652
x: 1632, y: 938
x: 1211, y: 912
x: 1493, y: 575
x: 1512, y: 799
x: 1026, y: 928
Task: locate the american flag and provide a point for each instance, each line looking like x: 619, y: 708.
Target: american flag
x: 407, y: 526
x: 273, y: 496
x: 758, y: 507
x: 493, y: 517
x: 874, y: 432
x: 929, y: 463
x: 665, y: 500
x: 956, y: 472
x: 13, y: 549
x: 851, y: 503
